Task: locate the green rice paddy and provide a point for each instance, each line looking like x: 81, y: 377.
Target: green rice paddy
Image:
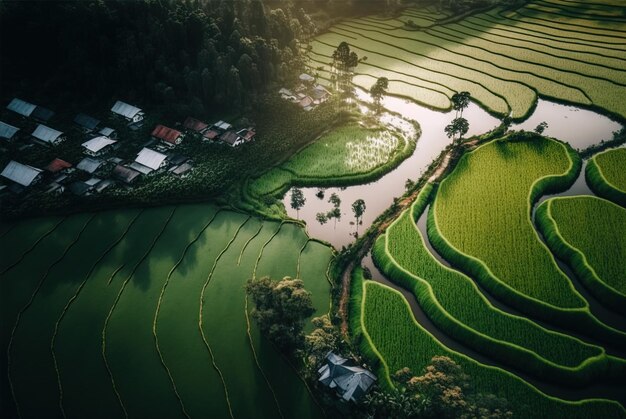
x: 590, y: 233
x: 606, y: 176
x: 110, y: 310
x: 504, y: 58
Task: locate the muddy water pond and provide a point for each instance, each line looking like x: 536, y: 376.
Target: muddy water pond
x: 579, y: 127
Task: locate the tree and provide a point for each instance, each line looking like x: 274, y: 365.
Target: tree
x: 321, y: 218
x: 539, y: 129
x: 460, y: 101
x: 344, y: 61
x: 324, y: 338
x: 458, y: 126
x: 280, y: 310
x: 334, y: 213
x: 297, y: 200
x: 378, y: 90
x: 358, y: 208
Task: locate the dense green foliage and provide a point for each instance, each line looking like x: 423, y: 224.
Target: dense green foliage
x: 606, y: 175
x: 158, y: 295
x: 187, y: 56
x: 590, y: 234
x: 389, y: 329
x: 504, y: 57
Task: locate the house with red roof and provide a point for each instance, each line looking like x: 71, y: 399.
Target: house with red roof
x: 58, y: 165
x: 168, y: 136
x: 192, y: 124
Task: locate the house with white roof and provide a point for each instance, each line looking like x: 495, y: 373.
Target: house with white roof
x: 149, y: 161
x: 129, y: 112
x: 222, y: 126
x: 98, y: 146
x: 21, y: 107
x: 47, y: 135
x: 8, y: 132
x: 22, y: 174
x: 108, y: 132
x: 89, y: 165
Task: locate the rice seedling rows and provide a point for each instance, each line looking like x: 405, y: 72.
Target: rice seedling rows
x: 388, y: 328
x: 138, y: 276
x: 350, y: 152
x: 590, y: 11
x: 491, y: 191
x: 457, y: 306
x: 590, y: 234
x: 566, y: 15
x: 606, y: 177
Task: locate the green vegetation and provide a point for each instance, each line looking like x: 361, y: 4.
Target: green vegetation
x: 480, y: 222
x: 149, y: 292
x: 346, y: 155
x: 606, y: 176
x: 503, y: 57
x: 456, y: 305
x: 590, y: 234
x: 387, y: 329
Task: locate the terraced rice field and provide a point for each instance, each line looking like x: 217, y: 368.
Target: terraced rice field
x: 605, y: 175
x: 104, y: 312
x: 571, y: 52
x: 350, y: 153
x: 453, y: 302
x: 590, y: 233
x: 387, y: 327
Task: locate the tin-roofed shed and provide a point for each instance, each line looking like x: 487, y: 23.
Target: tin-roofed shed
x: 89, y: 165
x: 98, y: 145
x: 129, y: 112
x: 8, y: 132
x: 48, y: 135
x: 151, y: 159
x: 22, y: 174
x: 21, y: 107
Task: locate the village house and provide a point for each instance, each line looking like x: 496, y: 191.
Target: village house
x: 22, y: 174
x: 221, y: 126
x: 42, y: 114
x: 210, y: 135
x: 149, y: 161
x: 231, y: 138
x: 102, y: 185
x: 98, y: 146
x: 47, y: 136
x: 193, y: 125
x: 129, y: 112
x: 79, y: 188
x: 57, y: 166
x: 247, y: 134
x: 8, y: 132
x: 86, y: 122
x: 55, y: 188
x: 169, y: 136
x: 320, y: 94
x: 306, y: 103
x: 349, y: 380
x: 306, y: 78
x: 108, y: 132
x: 182, y: 171
x: 125, y: 174
x: 89, y: 165
x: 21, y: 107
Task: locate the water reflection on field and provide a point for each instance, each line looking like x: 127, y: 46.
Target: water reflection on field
x: 581, y: 128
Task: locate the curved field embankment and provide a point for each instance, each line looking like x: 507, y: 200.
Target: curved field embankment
x: 605, y: 175
x: 456, y: 305
x: 503, y: 57
x: 480, y: 222
x: 590, y: 234
x: 127, y: 284
x: 385, y: 328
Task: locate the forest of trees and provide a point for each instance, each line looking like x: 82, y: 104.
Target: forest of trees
x: 190, y: 56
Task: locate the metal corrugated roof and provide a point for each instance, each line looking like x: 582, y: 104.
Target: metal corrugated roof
x: 125, y: 174
x: 194, y: 125
x: 86, y: 121
x: 7, y: 131
x: 57, y: 165
x: 46, y: 134
x: 150, y: 158
x: 124, y: 109
x: 20, y: 173
x: 21, y: 107
x: 98, y: 143
x: 106, y: 131
x: 42, y: 114
x: 166, y: 134
x: 89, y: 165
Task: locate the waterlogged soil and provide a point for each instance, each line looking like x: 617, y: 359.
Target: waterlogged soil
x: 579, y: 127
x: 128, y: 285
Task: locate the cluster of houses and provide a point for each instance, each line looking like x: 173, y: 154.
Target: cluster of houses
x: 99, y: 166
x: 307, y: 95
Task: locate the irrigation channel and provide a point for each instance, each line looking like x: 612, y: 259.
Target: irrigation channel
x: 579, y: 127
